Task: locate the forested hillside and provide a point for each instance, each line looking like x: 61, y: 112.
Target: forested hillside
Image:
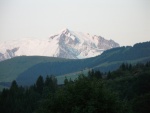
x: 125, y: 90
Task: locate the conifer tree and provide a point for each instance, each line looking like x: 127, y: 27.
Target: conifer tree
x: 40, y: 84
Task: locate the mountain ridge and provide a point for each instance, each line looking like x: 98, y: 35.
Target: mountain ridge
x: 65, y: 44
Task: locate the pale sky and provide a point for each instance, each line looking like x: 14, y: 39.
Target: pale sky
x: 125, y: 21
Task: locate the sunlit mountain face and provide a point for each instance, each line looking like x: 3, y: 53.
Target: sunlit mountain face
x: 65, y: 44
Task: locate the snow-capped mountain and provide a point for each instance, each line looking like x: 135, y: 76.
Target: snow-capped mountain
x: 65, y: 44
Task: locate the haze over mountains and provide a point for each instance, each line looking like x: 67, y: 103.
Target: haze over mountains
x: 65, y: 44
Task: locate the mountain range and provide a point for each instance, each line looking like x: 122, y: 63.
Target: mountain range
x: 65, y: 44
x: 26, y: 69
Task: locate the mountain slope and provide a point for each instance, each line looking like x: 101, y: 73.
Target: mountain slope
x: 26, y: 69
x: 65, y: 44
x: 11, y: 68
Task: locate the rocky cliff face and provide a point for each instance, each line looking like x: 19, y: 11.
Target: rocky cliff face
x: 65, y: 44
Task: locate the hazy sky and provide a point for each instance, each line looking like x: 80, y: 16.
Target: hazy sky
x: 125, y: 21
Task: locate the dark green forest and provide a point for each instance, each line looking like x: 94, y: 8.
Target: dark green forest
x: 125, y: 90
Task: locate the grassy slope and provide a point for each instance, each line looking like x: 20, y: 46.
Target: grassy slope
x: 10, y: 69
x: 72, y: 76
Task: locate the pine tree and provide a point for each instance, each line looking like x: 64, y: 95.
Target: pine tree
x: 40, y: 84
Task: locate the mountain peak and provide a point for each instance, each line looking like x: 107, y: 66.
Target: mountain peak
x: 65, y: 44
x: 65, y: 30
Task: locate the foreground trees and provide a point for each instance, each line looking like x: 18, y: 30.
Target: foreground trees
x: 83, y: 96
x: 26, y: 100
